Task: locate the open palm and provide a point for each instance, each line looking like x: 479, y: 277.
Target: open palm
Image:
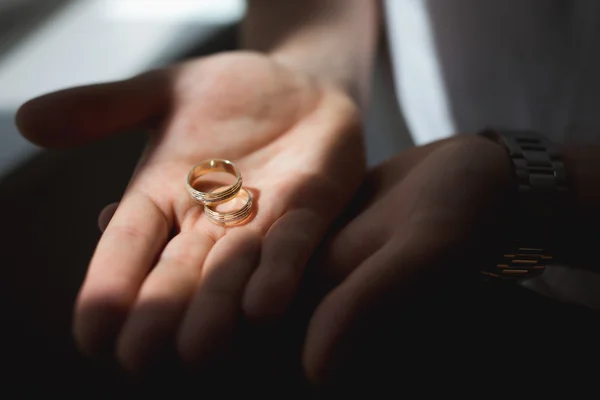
x: 162, y: 272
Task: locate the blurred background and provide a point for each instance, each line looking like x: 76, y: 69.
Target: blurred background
x: 49, y: 200
x: 47, y: 45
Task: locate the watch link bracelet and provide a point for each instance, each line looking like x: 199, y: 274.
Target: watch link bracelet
x: 541, y: 198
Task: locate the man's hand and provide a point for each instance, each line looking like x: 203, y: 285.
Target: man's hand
x: 298, y: 144
x: 426, y: 210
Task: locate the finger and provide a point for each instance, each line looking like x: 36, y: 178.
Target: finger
x: 286, y: 249
x: 124, y: 255
x: 390, y: 275
x: 212, y: 316
x: 106, y: 215
x: 360, y: 238
x: 76, y: 116
x: 162, y: 300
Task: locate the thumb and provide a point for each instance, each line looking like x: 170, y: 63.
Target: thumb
x: 83, y: 114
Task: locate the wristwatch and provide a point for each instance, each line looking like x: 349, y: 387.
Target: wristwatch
x: 541, y: 196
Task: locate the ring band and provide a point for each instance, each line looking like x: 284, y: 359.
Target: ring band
x: 233, y: 217
x: 206, y: 167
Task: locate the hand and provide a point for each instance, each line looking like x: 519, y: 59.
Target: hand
x: 423, y: 213
x: 298, y: 144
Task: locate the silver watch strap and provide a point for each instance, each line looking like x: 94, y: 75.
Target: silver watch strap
x: 540, y: 172
x: 541, y: 197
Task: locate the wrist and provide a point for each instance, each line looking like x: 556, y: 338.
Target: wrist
x: 540, y: 205
x: 583, y: 167
x: 319, y: 38
x: 577, y: 241
x: 301, y: 56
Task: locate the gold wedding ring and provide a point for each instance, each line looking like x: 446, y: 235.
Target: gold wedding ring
x: 212, y: 197
x: 232, y: 217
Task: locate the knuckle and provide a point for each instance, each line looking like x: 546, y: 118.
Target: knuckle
x: 126, y: 233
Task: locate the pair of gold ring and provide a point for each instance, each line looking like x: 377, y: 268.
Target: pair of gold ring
x: 212, y: 198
